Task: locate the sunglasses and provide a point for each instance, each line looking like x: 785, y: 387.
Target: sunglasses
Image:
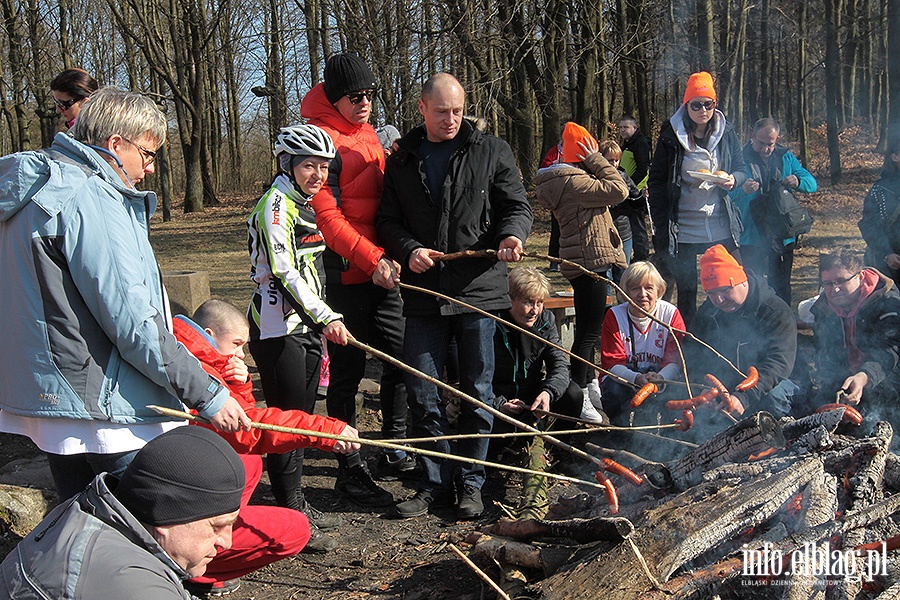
x: 357, y: 97
x: 66, y: 104
x: 696, y: 105
x: 149, y: 155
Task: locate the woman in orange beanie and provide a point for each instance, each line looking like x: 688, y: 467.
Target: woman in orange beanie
x: 579, y: 190
x: 698, y: 158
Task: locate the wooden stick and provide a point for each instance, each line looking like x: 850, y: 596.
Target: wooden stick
x: 671, y: 329
x: 484, y: 576
x: 563, y: 417
x: 422, y: 290
x: 668, y: 439
x: 380, y: 444
x: 490, y: 436
x: 474, y: 401
x: 597, y: 276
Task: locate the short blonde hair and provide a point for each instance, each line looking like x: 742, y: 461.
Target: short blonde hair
x: 528, y: 282
x: 609, y: 149
x: 636, y: 273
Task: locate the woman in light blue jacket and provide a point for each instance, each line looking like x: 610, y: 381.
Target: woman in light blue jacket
x: 83, y: 303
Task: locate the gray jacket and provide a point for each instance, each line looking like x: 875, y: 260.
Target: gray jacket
x: 83, y: 303
x: 91, y: 548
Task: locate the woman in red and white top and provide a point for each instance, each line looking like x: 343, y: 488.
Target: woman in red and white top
x: 633, y: 346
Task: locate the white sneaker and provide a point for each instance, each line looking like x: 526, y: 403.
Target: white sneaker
x: 590, y: 414
x: 594, y: 395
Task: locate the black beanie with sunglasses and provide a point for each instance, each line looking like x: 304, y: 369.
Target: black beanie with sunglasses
x: 186, y: 474
x: 345, y: 73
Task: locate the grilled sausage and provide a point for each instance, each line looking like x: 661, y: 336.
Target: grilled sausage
x: 643, y: 393
x: 694, y: 402
x: 750, y: 382
x: 622, y: 471
x: 851, y: 415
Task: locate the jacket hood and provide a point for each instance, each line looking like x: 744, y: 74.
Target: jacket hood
x: 677, y: 121
x: 35, y: 177
x: 198, y: 342
x: 315, y: 105
x: 883, y: 285
x: 552, y: 172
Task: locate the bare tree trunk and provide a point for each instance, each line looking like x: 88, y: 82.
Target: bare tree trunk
x: 21, y: 138
x: 832, y: 92
x: 802, y: 105
x: 163, y: 166
x: 706, y: 42
x: 893, y: 66
x: 64, y: 14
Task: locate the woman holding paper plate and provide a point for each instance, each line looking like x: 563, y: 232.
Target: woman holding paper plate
x: 698, y: 158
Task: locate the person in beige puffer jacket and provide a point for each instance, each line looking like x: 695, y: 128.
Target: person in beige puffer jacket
x: 579, y: 190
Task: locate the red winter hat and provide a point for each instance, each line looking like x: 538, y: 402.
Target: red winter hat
x: 700, y: 85
x: 572, y: 134
x: 718, y: 268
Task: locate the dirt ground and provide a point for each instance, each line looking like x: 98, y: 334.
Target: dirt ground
x: 410, y: 560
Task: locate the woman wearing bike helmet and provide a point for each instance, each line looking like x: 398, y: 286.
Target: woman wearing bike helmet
x: 287, y: 312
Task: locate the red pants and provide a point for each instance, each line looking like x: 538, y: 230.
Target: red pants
x: 261, y: 535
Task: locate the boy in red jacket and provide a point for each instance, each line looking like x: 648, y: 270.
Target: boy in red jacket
x: 262, y: 534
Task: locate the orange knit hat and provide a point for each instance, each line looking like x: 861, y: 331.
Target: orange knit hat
x: 572, y: 134
x: 718, y: 269
x: 700, y: 84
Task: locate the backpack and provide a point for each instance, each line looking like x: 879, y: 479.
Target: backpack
x: 783, y: 215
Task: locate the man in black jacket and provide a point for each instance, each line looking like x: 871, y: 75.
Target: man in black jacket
x: 748, y: 324
x: 857, y: 334
x: 636, y: 162
x: 450, y: 188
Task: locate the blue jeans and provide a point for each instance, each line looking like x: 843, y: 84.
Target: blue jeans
x: 425, y: 348
x: 73, y: 472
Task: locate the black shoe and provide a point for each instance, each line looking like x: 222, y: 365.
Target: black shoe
x: 420, y: 504
x: 392, y: 470
x: 319, y: 543
x: 470, y: 504
x: 317, y: 517
x: 212, y: 590
x: 357, y: 485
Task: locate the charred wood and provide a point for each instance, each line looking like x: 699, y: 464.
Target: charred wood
x: 747, y: 437
x: 608, y: 529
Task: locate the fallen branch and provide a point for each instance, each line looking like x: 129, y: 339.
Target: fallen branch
x: 484, y: 577
x: 583, y: 531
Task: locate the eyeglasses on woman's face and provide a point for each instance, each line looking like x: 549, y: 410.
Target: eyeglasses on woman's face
x: 66, y: 104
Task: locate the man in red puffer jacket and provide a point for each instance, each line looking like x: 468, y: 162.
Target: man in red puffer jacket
x: 360, y: 279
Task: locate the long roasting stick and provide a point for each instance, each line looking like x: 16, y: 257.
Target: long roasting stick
x: 380, y: 444
x: 493, y: 254
x: 422, y: 290
x: 475, y: 401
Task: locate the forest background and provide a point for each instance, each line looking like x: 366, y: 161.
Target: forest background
x: 228, y: 73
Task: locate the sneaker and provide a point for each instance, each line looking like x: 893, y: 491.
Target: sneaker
x: 392, y: 470
x: 594, y: 395
x: 554, y: 267
x: 212, y: 590
x: 357, y: 485
x: 592, y: 415
x: 319, y: 543
x: 317, y: 517
x: 419, y: 504
x: 470, y: 504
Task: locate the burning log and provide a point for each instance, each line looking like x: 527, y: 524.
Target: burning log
x: 793, y: 429
x: 749, y: 436
x: 680, y: 530
x: 608, y: 529
x: 867, y: 486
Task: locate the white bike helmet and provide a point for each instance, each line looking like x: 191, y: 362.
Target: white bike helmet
x: 304, y: 140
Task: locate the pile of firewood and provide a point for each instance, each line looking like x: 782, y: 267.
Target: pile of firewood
x: 765, y: 509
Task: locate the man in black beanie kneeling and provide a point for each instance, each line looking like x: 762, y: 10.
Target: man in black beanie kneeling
x: 138, y: 537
